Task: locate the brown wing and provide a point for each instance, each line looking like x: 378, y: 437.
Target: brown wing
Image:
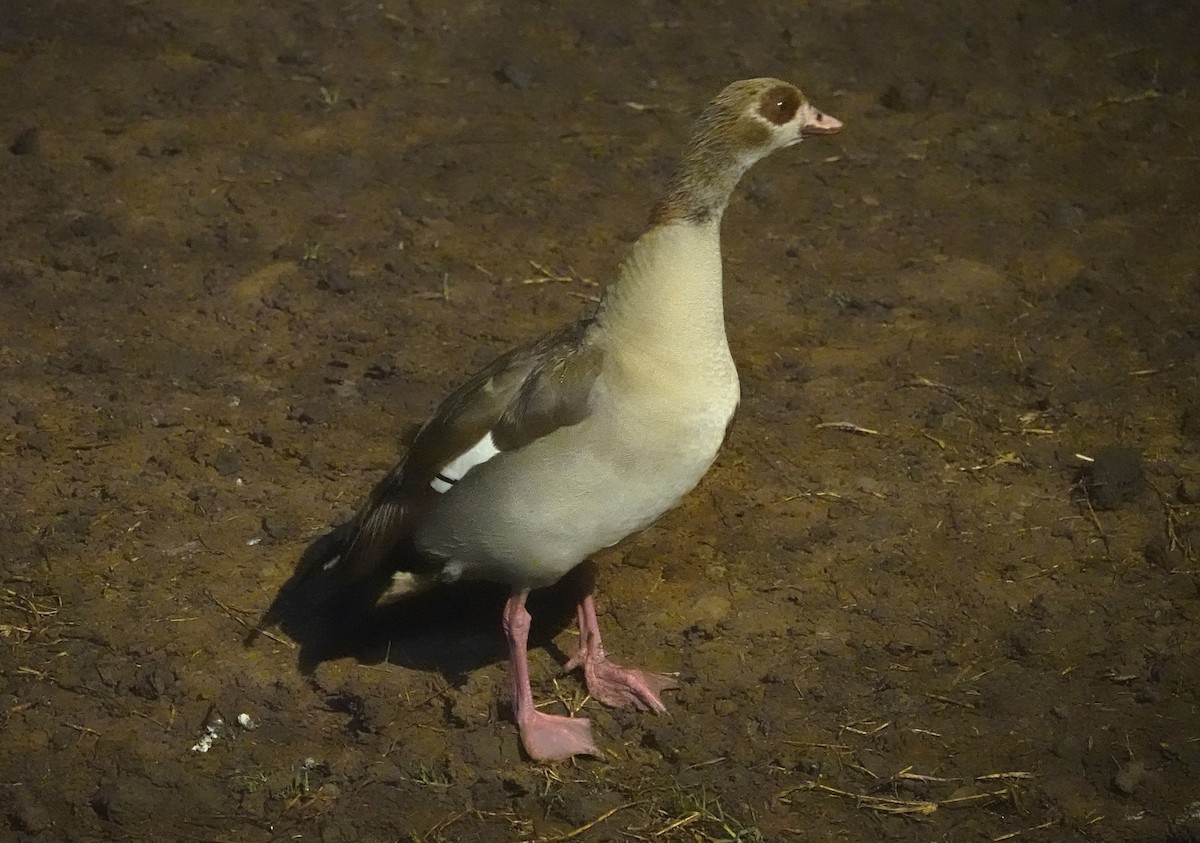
x: 520, y: 397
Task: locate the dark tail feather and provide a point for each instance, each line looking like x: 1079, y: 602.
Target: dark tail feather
x: 378, y: 537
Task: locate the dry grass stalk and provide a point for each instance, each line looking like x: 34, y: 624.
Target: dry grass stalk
x: 245, y: 625
x: 848, y: 427
x: 36, y: 615
x: 546, y: 276
x: 898, y: 806
x: 570, y: 835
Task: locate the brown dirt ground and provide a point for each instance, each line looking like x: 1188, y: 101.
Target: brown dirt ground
x: 247, y: 245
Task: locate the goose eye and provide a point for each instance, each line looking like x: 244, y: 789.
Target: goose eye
x: 780, y: 104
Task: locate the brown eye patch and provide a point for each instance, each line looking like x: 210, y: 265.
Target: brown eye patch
x: 779, y: 105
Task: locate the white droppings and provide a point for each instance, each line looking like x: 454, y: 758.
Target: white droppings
x: 211, y: 732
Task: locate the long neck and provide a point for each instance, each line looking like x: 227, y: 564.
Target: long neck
x: 667, y: 298
x: 701, y: 187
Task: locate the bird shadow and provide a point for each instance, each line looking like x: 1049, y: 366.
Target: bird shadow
x: 450, y: 629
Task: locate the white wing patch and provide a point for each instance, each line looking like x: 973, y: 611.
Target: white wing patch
x: 457, y: 468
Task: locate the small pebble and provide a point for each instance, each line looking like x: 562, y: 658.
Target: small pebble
x: 334, y: 275
x: 281, y: 527
x: 225, y: 462
x: 1162, y: 554
x: 515, y: 75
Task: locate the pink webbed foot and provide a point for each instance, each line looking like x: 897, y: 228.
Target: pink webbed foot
x: 612, y: 684
x: 622, y: 687
x: 547, y: 737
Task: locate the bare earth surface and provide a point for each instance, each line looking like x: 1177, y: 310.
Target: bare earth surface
x: 942, y: 584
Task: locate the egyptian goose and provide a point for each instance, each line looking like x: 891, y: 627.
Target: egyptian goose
x: 569, y: 444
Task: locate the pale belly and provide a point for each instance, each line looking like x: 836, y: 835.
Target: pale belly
x: 528, y: 517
